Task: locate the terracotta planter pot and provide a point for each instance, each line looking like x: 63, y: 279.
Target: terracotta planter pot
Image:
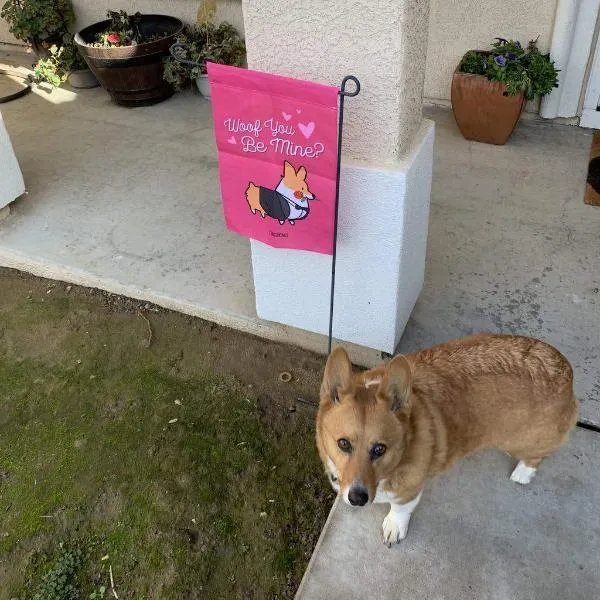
x: 132, y: 75
x: 482, y: 111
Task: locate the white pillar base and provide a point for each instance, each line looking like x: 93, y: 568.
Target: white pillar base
x: 382, y: 239
x: 11, y: 179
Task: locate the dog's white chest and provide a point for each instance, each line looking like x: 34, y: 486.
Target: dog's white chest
x: 383, y: 496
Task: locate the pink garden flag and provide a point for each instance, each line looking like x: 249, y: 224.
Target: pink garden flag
x: 277, y: 142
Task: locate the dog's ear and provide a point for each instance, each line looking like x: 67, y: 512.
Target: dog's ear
x: 288, y: 169
x: 301, y: 172
x: 396, y: 383
x: 337, y: 377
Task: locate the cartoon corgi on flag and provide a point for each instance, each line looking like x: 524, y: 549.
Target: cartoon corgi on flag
x: 289, y: 201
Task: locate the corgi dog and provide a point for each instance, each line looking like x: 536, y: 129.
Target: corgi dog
x: 383, y: 432
x: 287, y: 202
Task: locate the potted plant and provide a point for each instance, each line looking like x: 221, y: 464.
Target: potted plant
x: 490, y: 88
x: 79, y: 75
x: 200, y: 43
x: 40, y: 23
x: 126, y: 54
x: 64, y: 63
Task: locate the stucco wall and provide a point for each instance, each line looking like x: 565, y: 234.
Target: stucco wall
x: 386, y: 53
x: 456, y: 26
x: 89, y: 11
x: 5, y: 36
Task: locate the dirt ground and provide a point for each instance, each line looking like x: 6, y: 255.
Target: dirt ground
x: 153, y: 446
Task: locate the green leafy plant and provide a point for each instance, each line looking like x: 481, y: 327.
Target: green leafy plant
x: 98, y: 593
x: 60, y: 582
x: 205, y: 41
x: 38, y: 21
x: 61, y: 61
x: 124, y: 30
x: 48, y: 69
x: 525, y: 71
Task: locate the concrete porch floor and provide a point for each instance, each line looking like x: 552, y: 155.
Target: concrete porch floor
x: 128, y: 201
x: 475, y: 535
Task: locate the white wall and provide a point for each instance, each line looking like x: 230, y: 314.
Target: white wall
x: 5, y: 36
x: 456, y: 26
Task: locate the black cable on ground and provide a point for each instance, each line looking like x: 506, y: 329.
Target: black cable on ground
x: 588, y: 426
x: 21, y: 92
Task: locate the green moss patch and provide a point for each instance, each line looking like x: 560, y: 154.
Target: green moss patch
x: 136, y: 458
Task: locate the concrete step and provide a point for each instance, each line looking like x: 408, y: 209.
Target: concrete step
x: 475, y: 535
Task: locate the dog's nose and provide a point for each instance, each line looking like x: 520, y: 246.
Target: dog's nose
x: 358, y: 496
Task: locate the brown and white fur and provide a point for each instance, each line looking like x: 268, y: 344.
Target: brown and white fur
x: 411, y: 419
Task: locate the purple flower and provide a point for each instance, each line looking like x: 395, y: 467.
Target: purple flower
x: 500, y: 60
x: 511, y: 56
x: 518, y: 44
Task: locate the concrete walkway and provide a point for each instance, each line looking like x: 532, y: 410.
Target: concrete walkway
x: 128, y: 201
x: 512, y: 247
x: 475, y: 535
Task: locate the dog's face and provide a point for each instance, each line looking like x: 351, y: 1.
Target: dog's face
x: 362, y: 424
x: 296, y: 181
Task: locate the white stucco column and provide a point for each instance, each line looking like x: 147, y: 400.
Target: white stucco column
x: 386, y: 173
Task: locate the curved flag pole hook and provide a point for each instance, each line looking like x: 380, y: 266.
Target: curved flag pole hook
x: 343, y: 93
x: 177, y: 49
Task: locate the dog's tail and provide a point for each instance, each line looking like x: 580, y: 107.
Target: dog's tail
x: 253, y: 199
x: 249, y: 190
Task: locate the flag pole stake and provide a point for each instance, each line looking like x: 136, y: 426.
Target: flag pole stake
x: 350, y: 94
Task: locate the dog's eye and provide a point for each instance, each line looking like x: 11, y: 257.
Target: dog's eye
x: 344, y: 445
x: 333, y: 478
x: 377, y: 450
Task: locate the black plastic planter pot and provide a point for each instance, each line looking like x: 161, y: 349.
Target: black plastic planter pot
x: 132, y: 75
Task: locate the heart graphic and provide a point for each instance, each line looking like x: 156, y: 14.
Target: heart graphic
x: 232, y: 140
x: 298, y: 111
x: 307, y: 130
x: 286, y: 116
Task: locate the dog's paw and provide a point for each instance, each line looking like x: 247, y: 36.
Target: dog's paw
x: 395, y: 528
x: 523, y: 474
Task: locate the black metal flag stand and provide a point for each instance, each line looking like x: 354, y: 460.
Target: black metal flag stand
x: 343, y: 93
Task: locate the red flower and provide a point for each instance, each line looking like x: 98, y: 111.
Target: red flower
x: 298, y: 194
x: 113, y: 38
